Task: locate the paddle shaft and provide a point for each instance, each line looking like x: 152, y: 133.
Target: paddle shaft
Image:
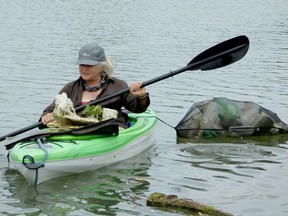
x: 222, y: 51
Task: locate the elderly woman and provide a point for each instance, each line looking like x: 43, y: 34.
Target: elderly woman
x: 96, y: 81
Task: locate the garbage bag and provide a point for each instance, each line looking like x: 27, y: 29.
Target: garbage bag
x: 225, y: 117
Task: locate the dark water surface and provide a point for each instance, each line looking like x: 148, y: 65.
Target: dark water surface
x: 39, y: 46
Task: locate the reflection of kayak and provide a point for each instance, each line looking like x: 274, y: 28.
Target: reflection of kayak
x: 66, y: 154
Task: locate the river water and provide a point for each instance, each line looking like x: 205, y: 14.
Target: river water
x: 39, y: 46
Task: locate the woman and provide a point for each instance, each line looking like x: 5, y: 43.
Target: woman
x: 96, y: 82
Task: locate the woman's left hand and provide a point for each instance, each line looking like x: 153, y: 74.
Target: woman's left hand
x: 136, y: 89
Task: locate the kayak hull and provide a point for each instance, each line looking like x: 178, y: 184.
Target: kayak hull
x: 67, y: 155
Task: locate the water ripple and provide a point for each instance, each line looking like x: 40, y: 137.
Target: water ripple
x: 146, y: 39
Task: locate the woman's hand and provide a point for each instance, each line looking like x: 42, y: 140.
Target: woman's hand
x: 136, y: 89
x: 47, y: 118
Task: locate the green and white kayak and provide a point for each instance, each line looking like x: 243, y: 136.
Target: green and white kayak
x: 66, y: 154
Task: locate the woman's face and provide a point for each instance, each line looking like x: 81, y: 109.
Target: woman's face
x: 90, y: 73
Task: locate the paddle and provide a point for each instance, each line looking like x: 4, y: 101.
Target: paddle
x: 217, y: 56
x: 106, y: 127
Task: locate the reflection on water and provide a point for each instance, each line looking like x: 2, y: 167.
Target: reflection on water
x: 145, y: 39
x: 280, y: 140
x: 222, y: 174
x: 100, y: 192
x: 237, y: 156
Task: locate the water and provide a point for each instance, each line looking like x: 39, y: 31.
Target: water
x: 39, y: 44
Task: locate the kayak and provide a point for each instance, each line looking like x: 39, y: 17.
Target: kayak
x: 66, y: 154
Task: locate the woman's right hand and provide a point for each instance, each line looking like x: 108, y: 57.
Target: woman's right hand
x: 47, y: 118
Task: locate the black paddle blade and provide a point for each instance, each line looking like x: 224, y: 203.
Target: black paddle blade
x: 221, y: 54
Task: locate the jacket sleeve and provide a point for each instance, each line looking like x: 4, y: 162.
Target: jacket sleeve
x: 133, y: 104
x: 128, y: 101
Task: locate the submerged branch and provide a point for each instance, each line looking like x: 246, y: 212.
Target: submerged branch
x: 162, y: 200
